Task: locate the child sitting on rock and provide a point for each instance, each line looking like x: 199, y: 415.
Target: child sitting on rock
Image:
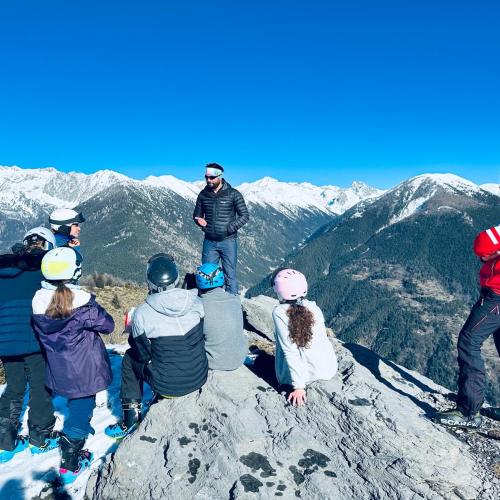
x: 483, y: 321
x: 225, y: 342
x: 68, y: 322
x: 303, y: 352
x: 167, y: 347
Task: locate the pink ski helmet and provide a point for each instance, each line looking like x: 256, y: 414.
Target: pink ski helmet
x: 290, y: 284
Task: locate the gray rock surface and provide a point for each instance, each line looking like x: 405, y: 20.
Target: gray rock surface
x: 258, y: 312
x: 362, y: 435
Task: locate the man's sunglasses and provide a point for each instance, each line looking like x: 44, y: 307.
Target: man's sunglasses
x: 211, y: 177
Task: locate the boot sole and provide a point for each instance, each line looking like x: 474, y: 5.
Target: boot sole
x: 456, y: 425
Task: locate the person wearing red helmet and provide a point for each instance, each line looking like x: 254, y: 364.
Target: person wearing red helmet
x: 483, y: 321
x: 303, y: 352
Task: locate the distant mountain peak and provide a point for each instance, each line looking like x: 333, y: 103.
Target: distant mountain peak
x: 446, y: 180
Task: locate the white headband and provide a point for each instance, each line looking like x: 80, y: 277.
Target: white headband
x: 213, y: 172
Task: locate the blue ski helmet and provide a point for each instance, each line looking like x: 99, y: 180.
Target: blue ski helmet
x: 209, y: 276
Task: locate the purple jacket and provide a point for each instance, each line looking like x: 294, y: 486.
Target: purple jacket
x: 77, y: 361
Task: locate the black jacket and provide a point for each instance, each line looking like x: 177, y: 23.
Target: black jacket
x: 224, y: 211
x: 173, y: 365
x: 20, y: 278
x: 167, y: 338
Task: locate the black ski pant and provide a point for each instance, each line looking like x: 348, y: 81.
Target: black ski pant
x: 483, y: 321
x: 134, y: 373
x: 19, y: 371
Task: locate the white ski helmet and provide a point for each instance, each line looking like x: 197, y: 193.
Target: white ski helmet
x: 62, y: 263
x: 64, y: 217
x: 40, y: 234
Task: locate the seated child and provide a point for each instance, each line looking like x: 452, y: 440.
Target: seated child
x: 167, y: 348
x: 225, y: 342
x: 303, y: 352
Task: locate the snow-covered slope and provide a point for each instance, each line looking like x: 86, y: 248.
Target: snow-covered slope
x: 188, y: 190
x: 291, y: 196
x: 493, y: 188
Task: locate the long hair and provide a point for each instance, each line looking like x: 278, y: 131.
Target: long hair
x: 61, y: 305
x: 301, y: 321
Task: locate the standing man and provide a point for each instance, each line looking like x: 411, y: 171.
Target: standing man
x: 220, y: 211
x: 483, y: 322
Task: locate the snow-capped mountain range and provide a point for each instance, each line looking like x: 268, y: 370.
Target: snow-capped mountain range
x: 292, y: 195
x: 130, y: 218
x: 21, y: 187
x: 48, y: 186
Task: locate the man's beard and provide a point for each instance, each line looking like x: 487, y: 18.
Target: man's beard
x: 213, y: 187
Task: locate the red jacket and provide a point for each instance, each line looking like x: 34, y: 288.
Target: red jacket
x: 487, y: 243
x: 489, y: 276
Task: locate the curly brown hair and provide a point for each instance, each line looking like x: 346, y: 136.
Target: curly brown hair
x: 301, y: 321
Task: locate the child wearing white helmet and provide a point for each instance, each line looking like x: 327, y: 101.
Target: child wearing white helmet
x: 303, y: 352
x: 68, y: 322
x: 65, y: 224
x: 20, y: 350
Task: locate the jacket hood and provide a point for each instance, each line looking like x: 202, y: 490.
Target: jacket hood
x: 174, y: 302
x: 50, y: 325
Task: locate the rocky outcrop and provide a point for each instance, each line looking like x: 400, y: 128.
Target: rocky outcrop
x: 364, y: 434
x: 258, y: 315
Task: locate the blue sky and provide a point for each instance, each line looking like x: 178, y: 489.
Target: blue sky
x: 327, y: 92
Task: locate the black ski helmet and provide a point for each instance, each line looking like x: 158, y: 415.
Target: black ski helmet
x: 161, y: 273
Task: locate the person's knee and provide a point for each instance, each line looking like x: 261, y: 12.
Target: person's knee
x: 468, y: 342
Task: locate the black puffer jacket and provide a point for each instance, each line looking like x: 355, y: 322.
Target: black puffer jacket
x: 224, y: 211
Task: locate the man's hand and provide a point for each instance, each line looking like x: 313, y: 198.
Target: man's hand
x: 75, y: 242
x: 201, y: 221
x: 297, y: 397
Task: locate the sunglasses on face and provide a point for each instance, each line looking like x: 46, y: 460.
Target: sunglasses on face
x: 211, y: 177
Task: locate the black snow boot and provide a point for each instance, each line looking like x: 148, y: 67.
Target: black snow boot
x: 39, y: 434
x: 70, y: 452
x: 43, y: 438
x: 132, y: 415
x: 455, y: 418
x: 74, y: 459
